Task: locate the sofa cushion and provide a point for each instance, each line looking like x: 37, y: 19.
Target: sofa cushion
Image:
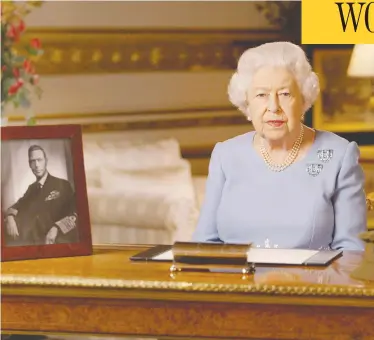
x: 175, y: 180
x: 127, y: 155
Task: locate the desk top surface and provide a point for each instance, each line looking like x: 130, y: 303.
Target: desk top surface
x: 110, y: 270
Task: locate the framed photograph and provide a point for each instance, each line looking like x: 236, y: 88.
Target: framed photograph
x: 44, y: 202
x: 343, y: 104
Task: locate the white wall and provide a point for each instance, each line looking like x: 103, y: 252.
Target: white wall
x: 131, y: 92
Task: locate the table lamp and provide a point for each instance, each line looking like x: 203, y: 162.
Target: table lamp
x: 361, y: 65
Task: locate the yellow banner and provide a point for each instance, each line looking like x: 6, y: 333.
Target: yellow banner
x: 337, y: 22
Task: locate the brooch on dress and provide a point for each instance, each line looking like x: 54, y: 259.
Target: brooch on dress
x: 325, y: 155
x: 314, y: 169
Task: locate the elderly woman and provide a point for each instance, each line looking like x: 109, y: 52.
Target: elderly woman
x: 283, y: 185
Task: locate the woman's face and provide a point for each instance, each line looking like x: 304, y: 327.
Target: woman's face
x: 275, y: 103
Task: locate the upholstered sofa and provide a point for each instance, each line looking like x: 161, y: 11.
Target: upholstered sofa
x: 140, y: 191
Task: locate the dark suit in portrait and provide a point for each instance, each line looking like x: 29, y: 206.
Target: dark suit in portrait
x: 42, y: 208
x: 46, y: 214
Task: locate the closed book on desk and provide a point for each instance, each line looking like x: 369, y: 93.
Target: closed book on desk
x: 265, y: 256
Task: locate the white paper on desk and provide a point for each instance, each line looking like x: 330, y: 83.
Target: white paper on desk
x: 166, y: 256
x: 280, y: 256
x: 263, y: 255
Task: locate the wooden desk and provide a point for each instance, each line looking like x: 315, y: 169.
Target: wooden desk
x: 106, y: 294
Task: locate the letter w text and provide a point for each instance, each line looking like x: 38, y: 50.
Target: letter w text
x: 350, y: 12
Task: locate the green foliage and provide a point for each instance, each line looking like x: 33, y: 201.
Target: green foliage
x: 18, y: 74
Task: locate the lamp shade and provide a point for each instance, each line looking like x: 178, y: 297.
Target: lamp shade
x: 362, y: 61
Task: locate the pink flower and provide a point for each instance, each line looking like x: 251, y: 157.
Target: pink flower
x: 16, y: 72
x: 13, y: 89
x: 35, y: 43
x: 28, y: 66
x: 13, y: 32
x: 21, y: 26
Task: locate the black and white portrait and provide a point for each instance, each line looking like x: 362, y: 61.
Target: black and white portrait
x: 38, y: 194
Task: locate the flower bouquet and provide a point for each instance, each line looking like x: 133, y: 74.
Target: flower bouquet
x: 18, y: 75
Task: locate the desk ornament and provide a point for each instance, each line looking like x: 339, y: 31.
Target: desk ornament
x: 365, y: 271
x: 213, y: 257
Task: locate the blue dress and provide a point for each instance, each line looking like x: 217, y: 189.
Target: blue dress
x: 316, y: 203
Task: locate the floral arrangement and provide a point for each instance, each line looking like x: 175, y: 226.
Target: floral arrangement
x: 18, y: 74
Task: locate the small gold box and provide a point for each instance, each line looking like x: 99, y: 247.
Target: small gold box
x: 217, y: 257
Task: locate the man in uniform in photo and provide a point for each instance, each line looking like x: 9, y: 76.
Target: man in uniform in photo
x: 46, y: 214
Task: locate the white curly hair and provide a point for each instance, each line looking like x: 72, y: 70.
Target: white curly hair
x: 283, y: 54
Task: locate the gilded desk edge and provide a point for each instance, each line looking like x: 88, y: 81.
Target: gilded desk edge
x: 8, y: 280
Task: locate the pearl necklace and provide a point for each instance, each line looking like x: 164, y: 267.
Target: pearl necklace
x: 290, y: 158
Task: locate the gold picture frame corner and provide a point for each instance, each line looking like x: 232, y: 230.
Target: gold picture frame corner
x: 319, y: 55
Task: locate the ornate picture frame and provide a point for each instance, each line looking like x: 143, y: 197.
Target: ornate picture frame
x: 342, y: 105
x: 367, y: 163
x: 43, y: 193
